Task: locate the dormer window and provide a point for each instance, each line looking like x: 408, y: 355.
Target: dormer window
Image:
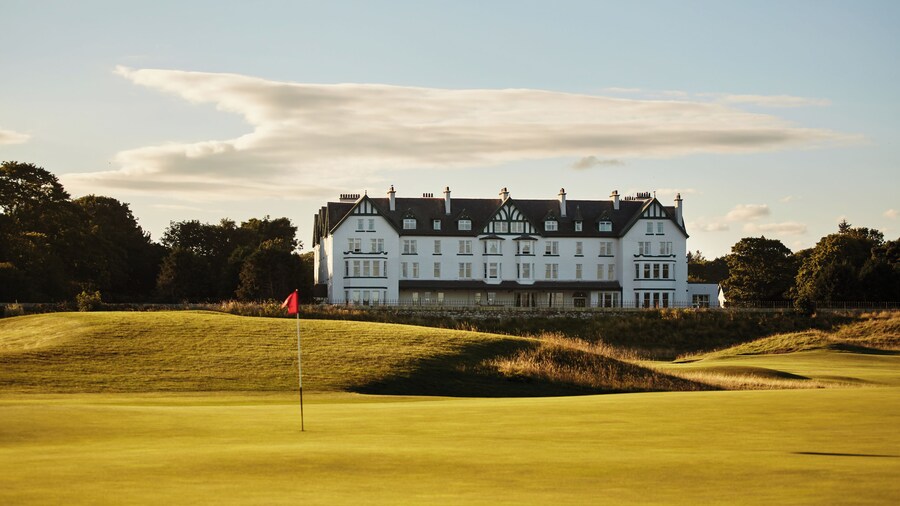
x: 606, y: 226
x: 551, y: 225
x: 436, y: 224
x: 409, y: 223
x: 578, y: 226
x: 465, y: 224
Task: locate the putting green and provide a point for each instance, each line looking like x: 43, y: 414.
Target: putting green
x: 835, y: 446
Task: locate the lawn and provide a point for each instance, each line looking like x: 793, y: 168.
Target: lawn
x: 149, y: 408
x: 834, y: 446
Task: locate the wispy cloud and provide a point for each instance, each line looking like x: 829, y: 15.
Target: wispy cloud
x: 783, y: 228
x: 891, y: 214
x: 708, y: 226
x: 788, y: 198
x: 590, y: 162
x: 772, y: 100
x: 310, y: 139
x: 747, y: 212
x: 11, y: 137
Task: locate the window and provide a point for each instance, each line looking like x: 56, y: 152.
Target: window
x: 665, y: 247
x: 578, y: 226
x: 501, y: 227
x: 655, y: 271
x: 436, y: 224
x: 492, y: 270
x: 646, y: 271
x: 437, y: 270
x: 404, y: 270
x: 525, y: 271
x: 601, y: 271
x: 649, y: 227
x: 579, y: 248
x: 611, y: 272
x: 700, y: 300
x: 637, y: 271
x: 551, y: 248
x: 356, y: 268
x: 437, y: 246
x: 491, y: 296
x: 551, y: 271
x: 550, y: 225
x: 354, y: 244
x: 524, y: 247
x: 372, y: 225
x: 478, y: 298
x: 465, y: 247
x: 577, y: 271
x: 465, y: 224
x: 517, y: 227
x: 644, y: 248
x: 493, y: 247
x: 606, y: 226
x: 659, y: 227
x: 415, y: 269
x: 367, y: 268
x: 376, y: 268
x: 409, y: 223
x: 665, y: 271
x: 415, y: 297
x: 409, y: 247
x: 465, y: 270
x: 376, y: 245
x: 606, y: 248
x: 359, y: 225
x: 665, y: 299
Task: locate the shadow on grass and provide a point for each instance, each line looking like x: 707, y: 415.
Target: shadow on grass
x: 863, y: 350
x: 830, y: 454
x: 468, y: 373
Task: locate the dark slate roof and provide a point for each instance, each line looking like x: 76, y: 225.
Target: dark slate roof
x: 481, y: 211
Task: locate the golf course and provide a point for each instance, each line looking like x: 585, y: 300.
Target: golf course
x: 200, y: 407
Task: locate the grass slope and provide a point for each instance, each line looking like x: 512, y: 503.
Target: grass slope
x: 203, y: 351
x: 863, y: 352
x: 837, y: 446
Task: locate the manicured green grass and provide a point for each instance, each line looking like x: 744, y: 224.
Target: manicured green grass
x: 204, y: 351
x: 836, y: 446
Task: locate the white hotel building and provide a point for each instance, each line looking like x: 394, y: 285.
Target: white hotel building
x: 622, y: 252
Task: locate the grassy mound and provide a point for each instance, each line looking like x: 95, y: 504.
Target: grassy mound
x: 866, y: 351
x: 202, y: 351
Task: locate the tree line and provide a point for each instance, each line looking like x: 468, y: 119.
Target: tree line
x: 53, y: 247
x: 854, y: 264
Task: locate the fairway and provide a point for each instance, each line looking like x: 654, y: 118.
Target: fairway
x: 143, y: 408
x: 761, y: 447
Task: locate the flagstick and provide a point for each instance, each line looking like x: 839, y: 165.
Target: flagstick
x: 300, y: 373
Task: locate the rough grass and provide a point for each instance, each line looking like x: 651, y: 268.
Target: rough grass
x: 202, y: 351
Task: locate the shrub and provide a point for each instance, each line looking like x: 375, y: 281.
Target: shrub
x: 14, y: 309
x: 88, y: 301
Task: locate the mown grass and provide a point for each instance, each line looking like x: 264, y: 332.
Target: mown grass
x: 202, y: 351
x: 833, y: 446
x: 864, y: 352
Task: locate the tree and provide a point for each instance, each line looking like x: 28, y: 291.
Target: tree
x: 701, y: 270
x: 759, y: 270
x: 854, y: 264
x: 270, y: 272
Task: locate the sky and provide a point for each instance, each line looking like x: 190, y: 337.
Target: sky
x: 774, y: 118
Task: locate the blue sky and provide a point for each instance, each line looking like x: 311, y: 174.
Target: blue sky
x: 771, y: 118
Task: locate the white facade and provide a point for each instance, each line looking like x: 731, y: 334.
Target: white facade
x: 627, y: 252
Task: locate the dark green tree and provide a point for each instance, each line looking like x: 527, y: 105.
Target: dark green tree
x: 270, y: 272
x: 854, y: 264
x: 759, y: 270
x: 702, y: 270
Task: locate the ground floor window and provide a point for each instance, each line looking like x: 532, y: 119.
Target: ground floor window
x: 652, y: 299
x: 608, y: 299
x: 700, y: 300
x: 579, y: 299
x: 526, y: 299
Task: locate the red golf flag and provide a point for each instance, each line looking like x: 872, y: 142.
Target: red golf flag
x: 291, y: 303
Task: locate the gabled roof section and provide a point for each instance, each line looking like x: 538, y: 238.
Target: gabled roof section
x: 508, y: 212
x: 653, y: 209
x: 338, y: 212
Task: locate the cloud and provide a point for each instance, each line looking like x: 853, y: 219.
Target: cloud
x: 773, y: 100
x: 312, y: 139
x: 747, y: 212
x: 703, y: 226
x: 788, y: 199
x: 891, y: 214
x: 10, y: 137
x: 784, y: 228
x: 590, y: 162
